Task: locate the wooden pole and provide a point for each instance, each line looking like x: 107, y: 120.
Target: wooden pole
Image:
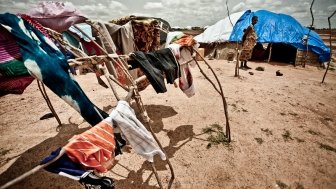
x: 227, y: 130
x: 46, y: 98
x: 311, y: 27
x: 270, y: 54
x: 330, y: 45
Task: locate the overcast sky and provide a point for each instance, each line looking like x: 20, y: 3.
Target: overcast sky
x: 184, y: 13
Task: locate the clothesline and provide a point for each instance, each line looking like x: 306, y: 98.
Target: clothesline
x: 96, y: 59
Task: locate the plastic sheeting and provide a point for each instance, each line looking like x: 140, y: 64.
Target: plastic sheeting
x: 281, y: 28
x: 219, y: 32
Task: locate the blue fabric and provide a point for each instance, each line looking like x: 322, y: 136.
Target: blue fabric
x: 63, y: 164
x: 281, y: 28
x: 46, y: 62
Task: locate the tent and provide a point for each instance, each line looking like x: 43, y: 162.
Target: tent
x: 281, y: 28
x: 219, y: 32
x: 215, y: 39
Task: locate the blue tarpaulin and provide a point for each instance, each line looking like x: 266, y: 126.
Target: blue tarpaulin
x: 281, y: 28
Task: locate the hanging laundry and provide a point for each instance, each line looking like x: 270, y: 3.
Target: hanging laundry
x: 157, y: 65
x: 145, y: 31
x: 13, y: 68
x: 122, y: 36
x: 103, y: 37
x: 143, y: 143
x: 14, y: 76
x: 71, y: 39
x: 146, y: 37
x: 185, y: 40
x: 35, y: 24
x: 14, y: 85
x: 94, y: 149
x: 58, y: 16
x: 9, y: 49
x: 172, y: 36
x: 182, y: 45
x: 175, y: 48
x: 64, y: 166
x: 186, y: 81
x: 183, y: 55
x: 43, y: 60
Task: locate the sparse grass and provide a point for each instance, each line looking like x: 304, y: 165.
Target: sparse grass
x: 313, y: 132
x: 259, y: 140
x: 208, y: 130
x: 287, y: 136
x: 327, y: 147
x: 267, y: 131
x: 216, y: 135
x: 281, y: 184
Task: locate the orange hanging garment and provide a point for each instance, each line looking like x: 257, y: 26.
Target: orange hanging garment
x: 94, y: 148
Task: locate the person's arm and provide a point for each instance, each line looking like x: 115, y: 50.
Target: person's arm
x: 246, y: 31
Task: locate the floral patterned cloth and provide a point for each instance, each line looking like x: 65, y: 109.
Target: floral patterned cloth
x: 249, y: 41
x: 146, y: 38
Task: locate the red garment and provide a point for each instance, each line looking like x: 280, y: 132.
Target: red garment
x: 121, y: 76
x: 91, y: 48
x: 9, y: 49
x: 14, y: 85
x: 186, y: 40
x: 35, y: 24
x: 94, y: 148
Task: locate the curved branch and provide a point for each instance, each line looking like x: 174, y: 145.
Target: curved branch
x: 237, y: 52
x: 228, y: 12
x: 227, y: 129
x: 310, y: 28
x: 330, y: 45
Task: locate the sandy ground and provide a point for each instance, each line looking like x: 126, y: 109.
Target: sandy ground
x: 283, y: 132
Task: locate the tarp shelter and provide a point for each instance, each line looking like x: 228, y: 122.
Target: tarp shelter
x: 281, y: 28
x: 215, y: 39
x: 219, y: 32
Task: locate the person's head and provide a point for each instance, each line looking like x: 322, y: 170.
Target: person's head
x: 254, y: 20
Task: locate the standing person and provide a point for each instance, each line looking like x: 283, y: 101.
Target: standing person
x: 249, y: 40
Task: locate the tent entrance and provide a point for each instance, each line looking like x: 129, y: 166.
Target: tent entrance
x: 282, y: 52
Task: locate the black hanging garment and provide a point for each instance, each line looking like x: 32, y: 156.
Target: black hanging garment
x: 157, y: 65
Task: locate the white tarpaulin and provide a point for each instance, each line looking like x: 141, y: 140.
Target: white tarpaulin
x: 219, y: 32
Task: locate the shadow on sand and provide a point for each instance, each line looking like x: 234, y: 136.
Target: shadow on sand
x: 43, y: 179
x: 32, y: 157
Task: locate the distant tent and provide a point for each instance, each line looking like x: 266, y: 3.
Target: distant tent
x: 215, y: 39
x: 219, y: 32
x: 281, y: 28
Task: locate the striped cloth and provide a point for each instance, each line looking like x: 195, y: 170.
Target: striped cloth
x: 94, y: 148
x: 9, y: 49
x: 35, y: 24
x: 143, y: 143
x: 14, y: 85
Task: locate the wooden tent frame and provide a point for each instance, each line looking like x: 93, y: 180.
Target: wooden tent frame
x: 133, y: 93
